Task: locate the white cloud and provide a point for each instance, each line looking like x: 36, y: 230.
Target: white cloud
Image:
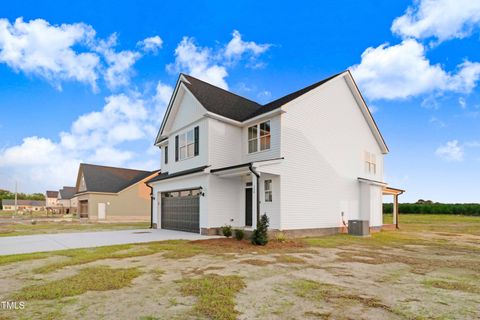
x: 236, y: 48
x: 45, y: 50
x: 198, y: 62
x: 211, y: 65
x: 112, y: 156
x: 462, y: 102
x: 68, y: 52
x: 440, y: 19
x: 39, y: 162
x: 100, y: 137
x: 451, y: 151
x: 439, y: 123
x: 151, y: 44
x: 402, y: 71
x: 118, y: 64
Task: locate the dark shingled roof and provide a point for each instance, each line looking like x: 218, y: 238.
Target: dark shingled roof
x: 232, y: 106
x: 220, y: 101
x: 52, y: 194
x: 110, y: 179
x: 67, y: 192
x: 35, y: 203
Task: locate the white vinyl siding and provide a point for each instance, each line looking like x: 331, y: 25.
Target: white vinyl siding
x: 323, y: 133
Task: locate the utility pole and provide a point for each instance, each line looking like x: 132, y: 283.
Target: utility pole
x: 15, y: 198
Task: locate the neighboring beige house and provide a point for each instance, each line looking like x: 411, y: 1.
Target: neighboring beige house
x: 51, y: 199
x: 113, y: 194
x: 23, y: 205
x: 66, y: 199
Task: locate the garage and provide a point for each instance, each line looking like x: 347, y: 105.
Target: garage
x: 180, y: 210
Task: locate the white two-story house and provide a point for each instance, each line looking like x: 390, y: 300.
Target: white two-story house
x: 311, y: 160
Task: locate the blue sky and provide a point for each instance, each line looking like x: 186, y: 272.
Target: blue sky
x: 88, y: 80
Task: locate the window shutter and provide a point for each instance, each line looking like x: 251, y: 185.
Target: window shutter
x: 196, y: 137
x: 165, y: 156
x: 176, y: 148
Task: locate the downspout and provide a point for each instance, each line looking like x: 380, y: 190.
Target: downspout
x: 250, y: 167
x: 151, y: 205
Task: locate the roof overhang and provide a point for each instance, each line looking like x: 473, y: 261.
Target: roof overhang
x: 372, y: 182
x: 159, y: 137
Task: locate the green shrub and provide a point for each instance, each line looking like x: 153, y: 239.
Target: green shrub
x: 227, y: 231
x: 260, y: 234
x: 239, y: 234
x: 469, y: 209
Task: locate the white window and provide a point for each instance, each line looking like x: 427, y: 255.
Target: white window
x: 370, y: 163
x: 186, y: 145
x: 259, y: 137
x: 268, y: 190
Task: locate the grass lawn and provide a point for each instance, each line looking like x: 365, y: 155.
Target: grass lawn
x: 427, y: 270
x: 26, y: 227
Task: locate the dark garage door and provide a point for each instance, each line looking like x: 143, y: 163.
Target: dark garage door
x: 181, y: 210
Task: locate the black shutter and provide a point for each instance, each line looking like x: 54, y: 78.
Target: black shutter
x: 176, y: 148
x: 165, y: 156
x: 196, y: 137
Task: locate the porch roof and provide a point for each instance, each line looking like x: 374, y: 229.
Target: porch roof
x: 166, y: 175
x: 392, y: 191
x: 240, y: 168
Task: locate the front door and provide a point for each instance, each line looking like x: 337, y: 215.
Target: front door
x: 248, y: 207
x: 102, y: 211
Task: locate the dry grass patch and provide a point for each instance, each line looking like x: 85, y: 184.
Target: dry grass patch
x: 215, y: 295
x: 228, y: 245
x: 256, y: 262
x: 99, y: 278
x: 285, y: 258
x: 23, y: 257
x: 418, y: 262
x: 317, y: 292
x: 453, y: 285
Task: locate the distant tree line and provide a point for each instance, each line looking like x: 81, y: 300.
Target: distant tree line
x: 5, y: 194
x: 428, y: 206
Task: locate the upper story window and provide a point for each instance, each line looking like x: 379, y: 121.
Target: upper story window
x: 370, y: 163
x: 187, y: 144
x: 165, y: 154
x: 259, y: 137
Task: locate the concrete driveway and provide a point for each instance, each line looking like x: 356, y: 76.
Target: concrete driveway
x: 62, y: 241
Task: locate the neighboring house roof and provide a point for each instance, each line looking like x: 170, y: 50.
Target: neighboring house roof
x: 110, y: 179
x: 34, y: 203
x: 166, y: 175
x: 52, y: 194
x: 67, y: 193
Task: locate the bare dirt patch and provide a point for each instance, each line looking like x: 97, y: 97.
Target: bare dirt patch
x: 391, y: 275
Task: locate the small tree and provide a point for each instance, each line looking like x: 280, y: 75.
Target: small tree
x: 260, y: 236
x: 227, y: 231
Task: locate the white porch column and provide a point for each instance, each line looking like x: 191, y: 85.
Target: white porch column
x: 395, y: 209
x: 155, y: 207
x: 254, y: 201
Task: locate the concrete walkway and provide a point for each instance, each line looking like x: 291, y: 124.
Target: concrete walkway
x: 62, y: 241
